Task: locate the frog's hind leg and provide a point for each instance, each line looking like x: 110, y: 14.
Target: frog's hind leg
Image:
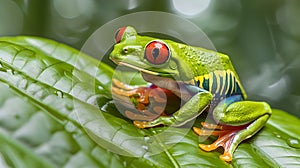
x: 238, y: 121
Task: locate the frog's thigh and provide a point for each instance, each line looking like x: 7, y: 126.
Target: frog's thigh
x: 241, y: 112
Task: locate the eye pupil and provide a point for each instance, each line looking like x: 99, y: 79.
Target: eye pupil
x: 157, y: 52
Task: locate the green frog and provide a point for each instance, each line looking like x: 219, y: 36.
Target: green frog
x: 204, y: 80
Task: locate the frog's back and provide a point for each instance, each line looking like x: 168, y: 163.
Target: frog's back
x: 214, y: 72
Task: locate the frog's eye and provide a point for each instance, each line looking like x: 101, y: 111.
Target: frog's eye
x: 119, y: 34
x: 157, y: 52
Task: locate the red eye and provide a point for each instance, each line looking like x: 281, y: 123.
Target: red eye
x: 119, y: 34
x: 157, y: 52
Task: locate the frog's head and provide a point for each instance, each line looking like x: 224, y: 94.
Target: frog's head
x: 149, y: 55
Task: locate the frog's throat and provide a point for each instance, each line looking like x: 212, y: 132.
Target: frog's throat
x: 176, y: 87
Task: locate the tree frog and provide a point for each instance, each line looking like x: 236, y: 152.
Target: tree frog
x: 205, y: 80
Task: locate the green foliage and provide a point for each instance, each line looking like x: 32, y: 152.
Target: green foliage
x: 56, y: 111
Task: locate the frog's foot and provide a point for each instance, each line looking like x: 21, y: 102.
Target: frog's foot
x: 225, y: 135
x: 138, y: 95
x: 141, y: 103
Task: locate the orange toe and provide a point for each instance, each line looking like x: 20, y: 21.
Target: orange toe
x: 226, y: 157
x: 140, y: 124
x: 210, y: 126
x: 208, y: 147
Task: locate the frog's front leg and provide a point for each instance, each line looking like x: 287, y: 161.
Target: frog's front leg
x: 190, y: 110
x: 139, y: 102
x: 144, y: 103
x: 237, y: 121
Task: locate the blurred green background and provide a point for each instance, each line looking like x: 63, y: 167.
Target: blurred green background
x: 262, y: 37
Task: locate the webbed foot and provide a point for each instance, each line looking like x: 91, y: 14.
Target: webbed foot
x: 225, y: 135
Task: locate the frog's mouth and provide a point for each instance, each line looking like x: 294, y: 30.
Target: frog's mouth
x: 138, y: 68
x: 160, y: 74
x: 150, y: 76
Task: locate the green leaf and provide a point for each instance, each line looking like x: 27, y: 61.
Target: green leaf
x: 65, y: 117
